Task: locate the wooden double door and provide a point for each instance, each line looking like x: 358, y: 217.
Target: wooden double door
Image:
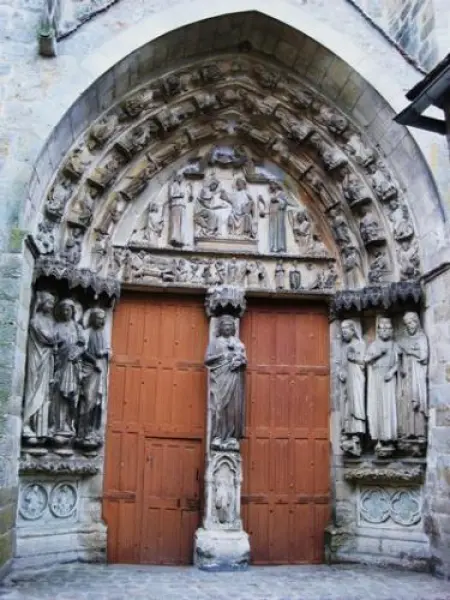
x: 153, y: 488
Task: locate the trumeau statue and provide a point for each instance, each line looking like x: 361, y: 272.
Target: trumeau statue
x: 94, y: 369
x: 226, y: 361
x: 382, y: 359
x: 412, y: 406
x: 40, y: 367
x: 352, y: 381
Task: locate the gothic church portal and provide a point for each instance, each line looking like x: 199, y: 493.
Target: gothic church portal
x: 230, y: 184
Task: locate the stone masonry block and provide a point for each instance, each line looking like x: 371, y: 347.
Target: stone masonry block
x: 7, y: 518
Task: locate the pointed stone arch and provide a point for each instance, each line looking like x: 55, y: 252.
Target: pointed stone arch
x: 352, y: 193
x: 122, y: 152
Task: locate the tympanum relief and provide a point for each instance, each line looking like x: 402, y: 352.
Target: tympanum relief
x: 142, y: 173
x: 383, y: 388
x: 66, y: 379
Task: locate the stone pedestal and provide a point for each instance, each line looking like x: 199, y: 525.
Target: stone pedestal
x: 222, y: 544
x: 219, y: 550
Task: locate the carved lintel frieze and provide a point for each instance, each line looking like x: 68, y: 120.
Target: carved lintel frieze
x: 225, y: 299
x: 58, y: 466
x: 391, y: 473
x: 83, y: 278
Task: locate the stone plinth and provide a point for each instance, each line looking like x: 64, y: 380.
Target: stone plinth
x: 220, y: 550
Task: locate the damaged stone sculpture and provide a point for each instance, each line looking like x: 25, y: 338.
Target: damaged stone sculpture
x: 221, y: 543
x: 352, y: 389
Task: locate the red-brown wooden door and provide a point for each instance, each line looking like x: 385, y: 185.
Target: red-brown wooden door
x: 286, y: 450
x: 155, y: 429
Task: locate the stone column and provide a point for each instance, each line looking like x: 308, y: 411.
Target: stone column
x: 221, y: 543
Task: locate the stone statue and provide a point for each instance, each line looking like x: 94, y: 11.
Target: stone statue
x: 316, y: 183
x: 224, y: 494
x: 154, y: 223
x: 57, y: 198
x: 382, y: 360
x: 379, y: 267
x: 205, y: 218
x: 412, y: 406
x: 177, y: 211
x: 102, y: 130
x: 70, y: 347
x: 302, y: 229
x: 409, y: 261
x: 279, y: 275
x: 241, y: 220
x: 72, y: 249
x: 339, y: 227
x: 332, y: 120
x: 226, y: 360
x: 381, y: 182
x: 40, y: 365
x: 252, y: 273
x: 45, y: 237
x: 352, y: 381
x: 277, y: 217
x: 94, y: 373
x: 369, y: 227
x: 295, y: 278
x: 354, y: 190
x: 104, y: 174
x: 332, y: 157
x: 401, y: 223
x: 361, y: 153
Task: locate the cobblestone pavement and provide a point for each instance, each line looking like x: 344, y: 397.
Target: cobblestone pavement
x: 101, y: 582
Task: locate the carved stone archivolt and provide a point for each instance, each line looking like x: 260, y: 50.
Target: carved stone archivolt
x: 231, y: 153
x: 383, y: 383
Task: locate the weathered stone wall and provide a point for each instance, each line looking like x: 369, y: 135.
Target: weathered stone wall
x: 36, y: 93
x: 409, y: 23
x: 437, y: 489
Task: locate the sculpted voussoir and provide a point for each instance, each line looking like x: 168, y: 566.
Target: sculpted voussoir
x: 171, y: 107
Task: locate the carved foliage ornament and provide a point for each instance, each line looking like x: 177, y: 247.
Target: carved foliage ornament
x: 314, y: 134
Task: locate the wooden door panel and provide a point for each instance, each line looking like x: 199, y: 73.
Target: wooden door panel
x: 155, y: 429
x: 286, y: 447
